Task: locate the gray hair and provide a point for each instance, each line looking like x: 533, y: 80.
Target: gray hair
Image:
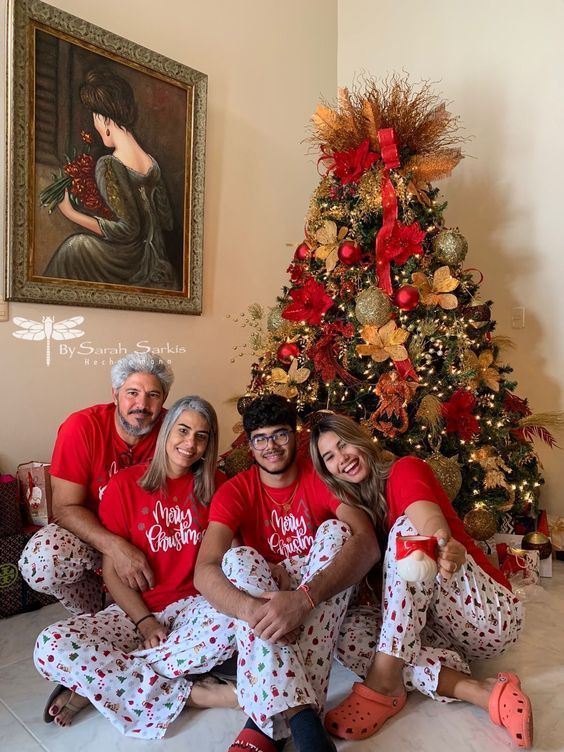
x: 204, y: 469
x: 138, y: 362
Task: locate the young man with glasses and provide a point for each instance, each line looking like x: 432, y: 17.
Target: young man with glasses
x: 92, y: 445
x: 288, y: 584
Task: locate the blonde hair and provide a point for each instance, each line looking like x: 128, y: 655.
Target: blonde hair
x: 369, y: 495
x: 155, y: 476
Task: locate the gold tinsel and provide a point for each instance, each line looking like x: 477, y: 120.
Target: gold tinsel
x: 369, y: 192
x: 422, y: 124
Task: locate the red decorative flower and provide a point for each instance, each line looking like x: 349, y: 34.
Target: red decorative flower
x: 514, y: 404
x: 404, y: 242
x: 350, y: 165
x: 310, y: 303
x: 297, y: 272
x: 86, y: 137
x: 458, y: 414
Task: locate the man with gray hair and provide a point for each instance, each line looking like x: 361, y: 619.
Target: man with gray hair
x: 92, y: 445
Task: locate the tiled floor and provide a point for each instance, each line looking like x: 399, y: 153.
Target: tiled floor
x: 424, y: 725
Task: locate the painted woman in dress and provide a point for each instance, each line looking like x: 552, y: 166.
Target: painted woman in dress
x: 128, y: 249
x: 427, y: 631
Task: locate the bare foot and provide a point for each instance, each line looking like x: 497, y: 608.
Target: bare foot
x: 209, y: 692
x: 66, y: 705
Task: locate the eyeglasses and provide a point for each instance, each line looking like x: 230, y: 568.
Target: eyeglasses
x: 280, y: 438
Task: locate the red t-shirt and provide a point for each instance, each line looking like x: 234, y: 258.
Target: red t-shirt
x: 88, y: 450
x: 167, y: 528
x: 268, y: 525
x: 412, y: 480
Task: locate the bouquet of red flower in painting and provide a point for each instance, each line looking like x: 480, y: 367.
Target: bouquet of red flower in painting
x: 78, y: 178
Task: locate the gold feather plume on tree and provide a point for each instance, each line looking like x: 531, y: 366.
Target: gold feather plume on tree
x: 426, y: 132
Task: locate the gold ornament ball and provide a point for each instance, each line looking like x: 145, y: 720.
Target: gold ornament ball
x: 448, y: 473
x: 373, y: 306
x: 237, y: 460
x: 450, y: 246
x: 480, y: 524
x: 537, y: 542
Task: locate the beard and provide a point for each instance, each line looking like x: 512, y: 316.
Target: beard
x: 131, y: 428
x: 417, y: 567
x: 278, y: 471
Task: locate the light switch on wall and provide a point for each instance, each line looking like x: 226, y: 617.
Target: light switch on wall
x: 518, y: 317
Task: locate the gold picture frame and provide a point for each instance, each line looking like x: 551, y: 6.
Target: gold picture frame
x: 118, y: 131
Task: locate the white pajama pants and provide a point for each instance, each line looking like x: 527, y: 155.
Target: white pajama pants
x: 58, y: 562
x: 139, y: 691
x: 431, y: 624
x: 271, y: 678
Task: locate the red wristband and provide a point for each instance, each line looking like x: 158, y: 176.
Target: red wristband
x: 306, y: 591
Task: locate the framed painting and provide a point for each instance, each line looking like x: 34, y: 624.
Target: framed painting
x: 105, y: 173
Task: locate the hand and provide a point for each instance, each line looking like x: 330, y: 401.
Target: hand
x: 131, y: 566
x: 279, y: 616
x: 451, y: 554
x: 153, y: 633
x: 280, y: 576
x: 65, y: 206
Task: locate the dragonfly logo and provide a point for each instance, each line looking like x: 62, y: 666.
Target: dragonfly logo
x: 48, y: 329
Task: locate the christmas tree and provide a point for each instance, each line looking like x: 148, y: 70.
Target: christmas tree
x: 381, y: 320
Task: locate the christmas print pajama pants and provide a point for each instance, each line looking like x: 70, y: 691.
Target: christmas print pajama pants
x: 271, y: 678
x: 58, y: 562
x: 140, y: 691
x: 431, y: 624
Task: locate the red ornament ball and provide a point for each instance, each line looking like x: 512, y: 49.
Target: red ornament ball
x: 349, y: 253
x: 287, y: 352
x: 302, y: 252
x: 407, y: 297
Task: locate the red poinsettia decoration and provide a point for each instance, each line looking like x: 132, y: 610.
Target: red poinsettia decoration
x: 458, y: 415
x: 404, y: 242
x: 350, y: 165
x: 310, y: 303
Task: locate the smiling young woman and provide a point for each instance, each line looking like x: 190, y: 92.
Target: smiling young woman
x: 428, y: 631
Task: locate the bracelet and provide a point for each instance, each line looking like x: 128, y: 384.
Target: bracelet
x: 306, y: 591
x: 137, y: 623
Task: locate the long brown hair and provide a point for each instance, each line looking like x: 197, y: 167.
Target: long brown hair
x: 369, y: 495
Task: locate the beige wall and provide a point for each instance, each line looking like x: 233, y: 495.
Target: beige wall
x: 268, y: 63
x: 501, y: 65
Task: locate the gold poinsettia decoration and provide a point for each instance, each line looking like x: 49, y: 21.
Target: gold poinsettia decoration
x: 383, y: 342
x: 287, y: 381
x: 438, y: 291
x: 482, y: 366
x: 329, y: 239
x: 495, y: 468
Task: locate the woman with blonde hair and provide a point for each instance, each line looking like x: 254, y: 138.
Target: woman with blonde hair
x: 430, y: 628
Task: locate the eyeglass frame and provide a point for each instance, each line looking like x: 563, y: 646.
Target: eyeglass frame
x: 268, y: 437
